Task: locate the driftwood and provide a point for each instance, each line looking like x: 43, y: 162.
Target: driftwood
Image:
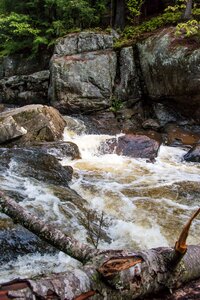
x: 108, y: 274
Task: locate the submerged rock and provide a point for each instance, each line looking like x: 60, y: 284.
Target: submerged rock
x: 60, y: 149
x: 138, y: 146
x: 193, y: 155
x: 42, y: 123
x: 18, y: 241
x: 177, y: 136
x: 34, y: 163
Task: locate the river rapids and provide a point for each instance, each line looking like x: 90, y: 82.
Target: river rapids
x: 144, y: 204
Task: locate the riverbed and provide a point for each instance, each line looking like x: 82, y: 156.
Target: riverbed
x: 143, y: 204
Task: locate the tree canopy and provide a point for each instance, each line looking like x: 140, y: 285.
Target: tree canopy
x: 35, y: 24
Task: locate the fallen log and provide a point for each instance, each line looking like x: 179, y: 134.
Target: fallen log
x: 105, y: 274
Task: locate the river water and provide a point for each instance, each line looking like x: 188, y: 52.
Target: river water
x: 144, y: 204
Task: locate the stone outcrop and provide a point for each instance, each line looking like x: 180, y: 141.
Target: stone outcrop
x: 137, y: 146
x: 83, y: 70
x: 41, y: 123
x: 87, y: 75
x: 25, y: 89
x: 170, y: 71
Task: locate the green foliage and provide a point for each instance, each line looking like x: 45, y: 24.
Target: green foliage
x: 134, y: 32
x: 134, y: 6
x: 116, y: 105
x: 16, y: 32
x: 34, y: 24
x: 188, y: 29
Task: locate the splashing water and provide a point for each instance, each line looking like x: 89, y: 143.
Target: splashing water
x: 145, y: 204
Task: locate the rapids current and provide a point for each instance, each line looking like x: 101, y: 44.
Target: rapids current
x: 144, y: 204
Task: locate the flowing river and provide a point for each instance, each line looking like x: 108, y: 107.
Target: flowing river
x: 144, y: 204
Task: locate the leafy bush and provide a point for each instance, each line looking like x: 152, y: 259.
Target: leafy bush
x: 16, y: 32
x: 188, y: 29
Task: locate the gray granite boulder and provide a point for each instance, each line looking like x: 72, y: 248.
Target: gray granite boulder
x: 82, y: 82
x: 170, y: 69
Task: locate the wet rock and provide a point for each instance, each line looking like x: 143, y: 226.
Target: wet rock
x: 166, y: 114
x: 82, y: 82
x: 193, y: 155
x: 60, y: 149
x: 25, y: 89
x: 34, y: 163
x: 102, y: 123
x: 42, y: 123
x: 9, y: 130
x: 83, y: 42
x: 138, y: 146
x: 169, y: 68
x: 18, y: 241
x: 128, y: 85
x: 151, y: 124
x: 2, y: 107
x: 74, y: 124
x: 177, y: 135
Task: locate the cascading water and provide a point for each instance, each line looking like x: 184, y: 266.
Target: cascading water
x: 144, y: 204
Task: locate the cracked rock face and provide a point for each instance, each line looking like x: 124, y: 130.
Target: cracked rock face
x: 83, y: 42
x: 83, y: 70
x: 128, y: 85
x: 82, y: 82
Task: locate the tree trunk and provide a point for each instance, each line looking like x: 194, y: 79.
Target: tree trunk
x: 105, y: 274
x: 119, y: 15
x: 188, y: 11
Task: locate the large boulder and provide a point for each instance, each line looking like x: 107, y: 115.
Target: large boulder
x: 82, y: 82
x: 25, y: 89
x: 170, y: 70
x: 137, y: 146
x: 83, y: 70
x: 41, y: 123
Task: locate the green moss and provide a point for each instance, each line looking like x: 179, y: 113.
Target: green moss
x: 132, y: 33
